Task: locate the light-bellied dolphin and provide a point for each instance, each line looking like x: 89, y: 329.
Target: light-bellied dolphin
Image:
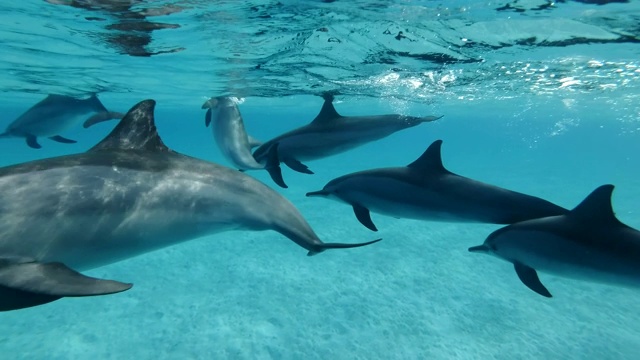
x: 53, y: 115
x: 331, y: 133
x: 126, y: 196
x: 588, y: 243
x: 425, y: 190
x: 234, y: 142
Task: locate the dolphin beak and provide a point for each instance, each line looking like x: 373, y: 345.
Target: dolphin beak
x: 480, y: 249
x: 210, y: 104
x: 318, y: 193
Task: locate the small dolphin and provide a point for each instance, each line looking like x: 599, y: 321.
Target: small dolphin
x: 331, y: 133
x: 234, y: 142
x: 588, y: 243
x: 51, y: 116
x: 425, y: 190
x: 126, y: 196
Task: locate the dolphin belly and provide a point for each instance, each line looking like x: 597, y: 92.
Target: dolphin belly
x: 563, y: 257
x: 44, y: 124
x: 319, y: 144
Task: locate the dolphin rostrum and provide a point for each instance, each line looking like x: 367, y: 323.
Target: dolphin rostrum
x: 126, y: 196
x: 588, y: 243
x: 331, y: 133
x: 234, y: 142
x: 425, y: 190
x: 53, y: 115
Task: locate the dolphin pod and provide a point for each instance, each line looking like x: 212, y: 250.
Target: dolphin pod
x: 131, y: 194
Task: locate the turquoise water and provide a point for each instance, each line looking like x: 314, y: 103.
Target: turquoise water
x: 418, y: 294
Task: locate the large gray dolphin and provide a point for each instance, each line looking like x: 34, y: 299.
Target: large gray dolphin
x: 331, y: 133
x: 234, y: 142
x: 588, y: 243
x: 53, y: 115
x: 425, y: 190
x: 126, y: 196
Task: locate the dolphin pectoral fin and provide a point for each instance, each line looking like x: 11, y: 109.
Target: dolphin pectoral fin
x: 63, y: 140
x: 30, y: 284
x: 253, y: 142
x: 207, y: 118
x: 364, y: 216
x: 297, y: 166
x: 325, y: 246
x: 529, y: 277
x: 273, y: 166
x: 32, y: 141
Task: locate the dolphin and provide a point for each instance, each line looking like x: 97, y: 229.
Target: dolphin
x: 51, y: 116
x: 587, y: 243
x: 126, y: 196
x: 234, y: 142
x: 331, y: 133
x: 425, y: 190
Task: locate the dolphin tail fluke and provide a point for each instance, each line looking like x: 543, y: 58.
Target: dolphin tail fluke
x: 325, y: 246
x: 297, y: 166
x: 27, y: 284
x: 273, y: 166
x: 101, y: 117
x: 430, y: 118
x: 63, y: 140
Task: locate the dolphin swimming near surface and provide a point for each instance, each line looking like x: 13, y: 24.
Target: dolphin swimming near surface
x: 53, y: 115
x: 588, y: 243
x: 234, y: 142
x: 126, y: 196
x: 425, y: 190
x: 331, y: 133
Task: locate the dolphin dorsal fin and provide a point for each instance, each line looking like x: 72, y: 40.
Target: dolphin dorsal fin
x: 328, y: 113
x: 136, y: 131
x: 430, y: 160
x: 596, y: 207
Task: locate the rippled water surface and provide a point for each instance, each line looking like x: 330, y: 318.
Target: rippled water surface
x: 538, y: 96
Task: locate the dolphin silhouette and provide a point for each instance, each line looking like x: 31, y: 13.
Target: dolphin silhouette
x: 425, y: 190
x: 588, y: 243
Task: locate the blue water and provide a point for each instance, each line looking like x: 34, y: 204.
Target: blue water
x: 418, y: 294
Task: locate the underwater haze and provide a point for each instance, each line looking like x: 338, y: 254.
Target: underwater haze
x: 537, y: 96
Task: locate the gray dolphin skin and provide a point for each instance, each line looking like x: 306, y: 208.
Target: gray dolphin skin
x: 425, y: 190
x: 53, y: 115
x: 126, y: 196
x: 588, y: 243
x: 331, y: 133
x: 234, y: 142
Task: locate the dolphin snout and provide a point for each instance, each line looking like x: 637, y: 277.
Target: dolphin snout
x: 210, y: 104
x: 480, y: 249
x: 318, y: 193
